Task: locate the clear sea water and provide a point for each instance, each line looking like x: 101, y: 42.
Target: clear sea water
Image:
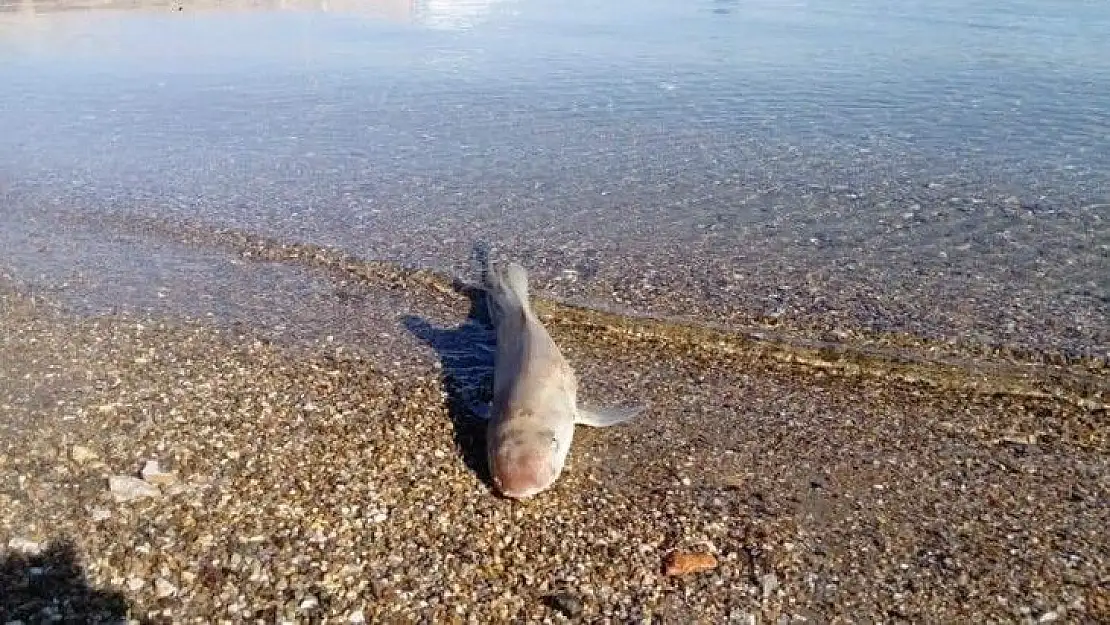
x: 939, y: 168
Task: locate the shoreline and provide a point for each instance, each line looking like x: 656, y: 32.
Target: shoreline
x: 794, y: 335
x: 320, y: 483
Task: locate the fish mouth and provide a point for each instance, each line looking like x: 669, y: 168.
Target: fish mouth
x: 521, y: 491
x: 522, y: 494
x: 521, y: 480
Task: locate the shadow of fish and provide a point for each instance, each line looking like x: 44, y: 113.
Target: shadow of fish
x: 535, y: 392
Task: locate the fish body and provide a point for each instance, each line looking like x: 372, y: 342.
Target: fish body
x: 535, y: 392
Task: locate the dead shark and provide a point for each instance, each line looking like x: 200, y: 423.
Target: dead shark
x: 535, y: 392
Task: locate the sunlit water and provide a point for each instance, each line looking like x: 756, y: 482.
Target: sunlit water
x: 939, y: 167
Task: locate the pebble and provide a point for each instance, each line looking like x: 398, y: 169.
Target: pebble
x: 1025, y: 439
x: 81, y: 454
x: 442, y: 550
x: 310, y: 603
x: 679, y: 563
x: 770, y: 583
x: 566, y: 603
x: 135, y: 584
x: 126, y: 488
x: 100, y: 514
x: 25, y: 545
x: 163, y: 588
x: 153, y: 474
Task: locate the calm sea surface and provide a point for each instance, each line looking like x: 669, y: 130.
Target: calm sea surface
x: 940, y: 168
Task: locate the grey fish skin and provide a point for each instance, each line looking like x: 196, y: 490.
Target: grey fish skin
x: 535, y: 393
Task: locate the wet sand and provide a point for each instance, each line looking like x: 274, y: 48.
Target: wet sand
x: 333, y: 478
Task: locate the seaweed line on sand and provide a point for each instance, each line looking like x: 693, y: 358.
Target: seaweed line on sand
x: 1082, y: 382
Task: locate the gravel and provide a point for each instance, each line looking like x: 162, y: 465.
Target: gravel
x: 334, y: 482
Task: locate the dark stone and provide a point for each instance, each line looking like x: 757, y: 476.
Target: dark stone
x: 564, y: 602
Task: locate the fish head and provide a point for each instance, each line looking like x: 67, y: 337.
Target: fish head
x: 526, y: 459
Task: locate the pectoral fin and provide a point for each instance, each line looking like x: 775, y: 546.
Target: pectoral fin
x: 604, y: 417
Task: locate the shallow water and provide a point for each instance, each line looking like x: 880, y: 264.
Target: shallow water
x: 931, y: 168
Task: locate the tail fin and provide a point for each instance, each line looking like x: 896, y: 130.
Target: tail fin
x: 506, y: 290
x: 515, y: 279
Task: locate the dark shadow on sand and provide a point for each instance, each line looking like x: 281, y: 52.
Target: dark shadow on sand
x: 50, y: 587
x: 466, y: 353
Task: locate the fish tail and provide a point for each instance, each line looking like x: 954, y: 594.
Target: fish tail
x: 516, y: 281
x: 506, y: 290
